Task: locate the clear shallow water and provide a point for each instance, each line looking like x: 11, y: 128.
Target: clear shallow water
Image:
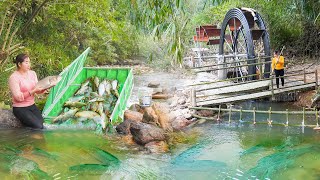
x: 223, y: 151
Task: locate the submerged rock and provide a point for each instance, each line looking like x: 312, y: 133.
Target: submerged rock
x: 180, y: 123
x: 157, y: 147
x: 144, y: 133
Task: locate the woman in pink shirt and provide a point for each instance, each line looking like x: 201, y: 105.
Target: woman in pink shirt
x: 22, y: 86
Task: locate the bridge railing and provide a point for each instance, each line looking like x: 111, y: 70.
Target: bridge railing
x: 292, y: 79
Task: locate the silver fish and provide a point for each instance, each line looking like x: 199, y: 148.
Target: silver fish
x: 96, y: 99
x: 101, y: 120
x: 102, y: 115
x: 48, y: 82
x: 114, y: 84
x: 86, y: 114
x: 94, y: 106
x: 96, y: 82
x: 75, y: 98
x: 102, y: 88
x: 108, y: 87
x: 74, y: 104
x: 84, y: 88
x: 65, y: 116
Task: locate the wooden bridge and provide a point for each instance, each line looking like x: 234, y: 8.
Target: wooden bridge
x: 226, y: 91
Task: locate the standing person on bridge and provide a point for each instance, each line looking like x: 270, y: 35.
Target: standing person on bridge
x: 22, y: 84
x: 278, y: 67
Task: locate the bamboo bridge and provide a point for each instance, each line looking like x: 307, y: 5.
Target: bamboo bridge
x: 226, y: 91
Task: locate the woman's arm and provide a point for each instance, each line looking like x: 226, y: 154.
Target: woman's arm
x: 37, y: 90
x: 15, y: 90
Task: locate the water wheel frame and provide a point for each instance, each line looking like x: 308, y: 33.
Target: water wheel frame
x: 244, y: 16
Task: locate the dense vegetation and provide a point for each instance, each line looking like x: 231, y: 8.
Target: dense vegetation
x: 56, y: 32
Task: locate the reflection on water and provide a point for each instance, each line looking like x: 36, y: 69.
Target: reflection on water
x: 224, y: 151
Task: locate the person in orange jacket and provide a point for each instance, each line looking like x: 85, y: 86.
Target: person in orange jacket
x: 278, y: 67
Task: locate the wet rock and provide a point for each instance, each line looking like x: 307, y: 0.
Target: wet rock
x: 182, y: 100
x: 162, y: 111
x: 157, y: 147
x: 124, y: 127
x: 180, y: 123
x: 133, y: 115
x: 150, y: 116
x: 173, y: 101
x: 8, y: 120
x: 128, y: 139
x: 144, y: 133
x: 174, y: 114
x: 136, y: 107
x: 154, y: 84
x: 186, y: 113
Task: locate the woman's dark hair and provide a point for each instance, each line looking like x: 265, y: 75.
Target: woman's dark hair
x: 20, y: 58
x: 276, y: 52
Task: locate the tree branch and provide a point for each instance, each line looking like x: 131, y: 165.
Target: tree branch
x: 8, y: 32
x: 34, y: 14
x: 12, y: 35
x: 2, y: 24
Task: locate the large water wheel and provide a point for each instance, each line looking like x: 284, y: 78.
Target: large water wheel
x: 243, y: 39
x: 241, y: 45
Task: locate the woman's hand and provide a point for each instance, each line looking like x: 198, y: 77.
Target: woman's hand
x: 37, y: 90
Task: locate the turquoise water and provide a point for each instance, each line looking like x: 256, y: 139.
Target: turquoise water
x: 223, y: 151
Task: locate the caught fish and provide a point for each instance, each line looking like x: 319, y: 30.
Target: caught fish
x: 103, y: 116
x: 48, y: 82
x: 74, y: 104
x: 94, y: 106
x: 94, y: 94
x: 101, y: 120
x: 84, y: 88
x: 65, y: 116
x: 96, y: 82
x: 114, y: 90
x: 102, y: 88
x: 108, y: 87
x: 86, y: 114
x: 114, y: 84
x: 75, y: 98
x: 96, y: 99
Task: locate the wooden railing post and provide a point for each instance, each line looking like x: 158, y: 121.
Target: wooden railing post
x: 230, y: 114
x: 260, y: 68
x: 303, y: 116
x: 254, y: 115
x: 317, y: 118
x: 269, y: 119
x: 193, y: 61
x: 304, y: 75
x: 193, y: 97
x: 287, y: 116
x: 316, y: 78
x: 218, y: 118
x: 272, y: 90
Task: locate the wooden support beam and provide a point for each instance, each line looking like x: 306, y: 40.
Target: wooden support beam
x: 193, y: 97
x: 316, y: 78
